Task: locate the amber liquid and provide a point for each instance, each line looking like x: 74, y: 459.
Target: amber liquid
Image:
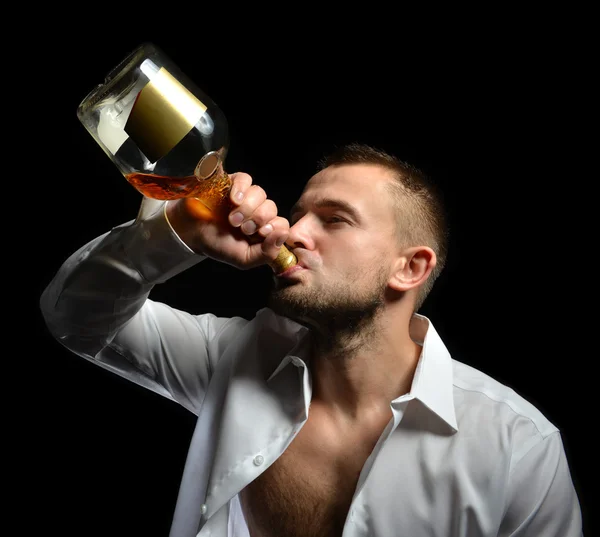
x: 213, y: 192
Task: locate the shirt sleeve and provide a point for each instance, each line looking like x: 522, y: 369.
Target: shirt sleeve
x: 97, y: 306
x: 542, y: 499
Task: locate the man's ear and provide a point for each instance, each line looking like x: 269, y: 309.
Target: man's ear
x: 413, y: 267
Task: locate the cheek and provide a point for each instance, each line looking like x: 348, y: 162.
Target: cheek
x: 367, y: 261
x: 365, y: 249
x: 354, y: 258
x: 354, y: 254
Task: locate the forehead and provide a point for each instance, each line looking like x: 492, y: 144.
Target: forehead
x: 365, y: 186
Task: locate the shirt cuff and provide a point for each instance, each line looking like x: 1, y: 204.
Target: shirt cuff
x: 155, y: 249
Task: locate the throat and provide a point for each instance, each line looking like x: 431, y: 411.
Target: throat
x: 362, y: 383
x: 341, y: 339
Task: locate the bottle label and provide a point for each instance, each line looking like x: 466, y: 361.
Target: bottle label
x: 163, y: 113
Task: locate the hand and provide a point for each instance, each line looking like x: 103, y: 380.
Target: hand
x: 254, y: 238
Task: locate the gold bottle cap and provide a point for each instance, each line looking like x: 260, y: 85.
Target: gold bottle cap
x: 284, y: 260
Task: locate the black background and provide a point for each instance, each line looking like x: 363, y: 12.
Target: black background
x: 487, y: 110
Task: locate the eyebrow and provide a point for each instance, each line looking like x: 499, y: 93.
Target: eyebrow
x: 329, y: 203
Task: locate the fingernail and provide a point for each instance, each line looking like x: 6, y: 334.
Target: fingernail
x: 280, y: 241
x: 239, y: 196
x: 236, y: 219
x: 249, y: 227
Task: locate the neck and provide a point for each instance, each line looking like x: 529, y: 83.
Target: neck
x: 356, y: 376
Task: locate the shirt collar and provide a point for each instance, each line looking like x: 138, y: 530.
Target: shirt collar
x: 433, y: 383
x: 433, y: 380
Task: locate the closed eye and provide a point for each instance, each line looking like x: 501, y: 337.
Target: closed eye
x: 327, y: 219
x: 335, y: 220
x: 325, y: 207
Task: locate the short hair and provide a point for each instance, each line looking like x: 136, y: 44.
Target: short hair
x: 420, y: 210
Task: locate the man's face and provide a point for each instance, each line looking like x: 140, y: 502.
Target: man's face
x: 343, y: 231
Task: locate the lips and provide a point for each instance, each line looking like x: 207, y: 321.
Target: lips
x: 304, y: 262
x: 292, y: 270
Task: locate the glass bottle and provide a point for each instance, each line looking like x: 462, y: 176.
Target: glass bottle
x: 166, y: 136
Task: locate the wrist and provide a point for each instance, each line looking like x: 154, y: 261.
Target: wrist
x: 181, y: 223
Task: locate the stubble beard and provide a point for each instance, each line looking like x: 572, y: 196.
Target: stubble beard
x: 341, y: 317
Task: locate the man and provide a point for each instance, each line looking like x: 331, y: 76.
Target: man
x: 337, y: 409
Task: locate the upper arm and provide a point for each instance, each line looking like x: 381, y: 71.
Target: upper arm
x: 169, y: 351
x: 542, y: 501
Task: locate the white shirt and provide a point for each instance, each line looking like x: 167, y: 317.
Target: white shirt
x: 463, y: 456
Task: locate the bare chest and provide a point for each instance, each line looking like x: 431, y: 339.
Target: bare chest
x: 308, y: 491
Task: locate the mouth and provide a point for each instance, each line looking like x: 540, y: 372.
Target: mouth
x: 298, y: 267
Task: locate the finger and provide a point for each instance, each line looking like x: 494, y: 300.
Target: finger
x: 275, y: 239
x: 253, y: 198
x: 240, y: 183
x: 261, y: 216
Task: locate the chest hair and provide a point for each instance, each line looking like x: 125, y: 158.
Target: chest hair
x: 308, y: 491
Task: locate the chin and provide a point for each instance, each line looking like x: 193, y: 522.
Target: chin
x: 287, y: 300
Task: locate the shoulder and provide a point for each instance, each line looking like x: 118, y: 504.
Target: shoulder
x: 476, y: 391
x: 499, y: 418
x: 507, y: 436
x: 264, y: 323
x: 269, y: 324
x: 267, y: 334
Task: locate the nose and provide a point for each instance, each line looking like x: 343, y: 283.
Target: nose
x: 300, y: 235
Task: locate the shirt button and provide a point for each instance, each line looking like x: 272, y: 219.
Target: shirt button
x: 258, y: 460
x: 203, y: 508
x: 296, y: 361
